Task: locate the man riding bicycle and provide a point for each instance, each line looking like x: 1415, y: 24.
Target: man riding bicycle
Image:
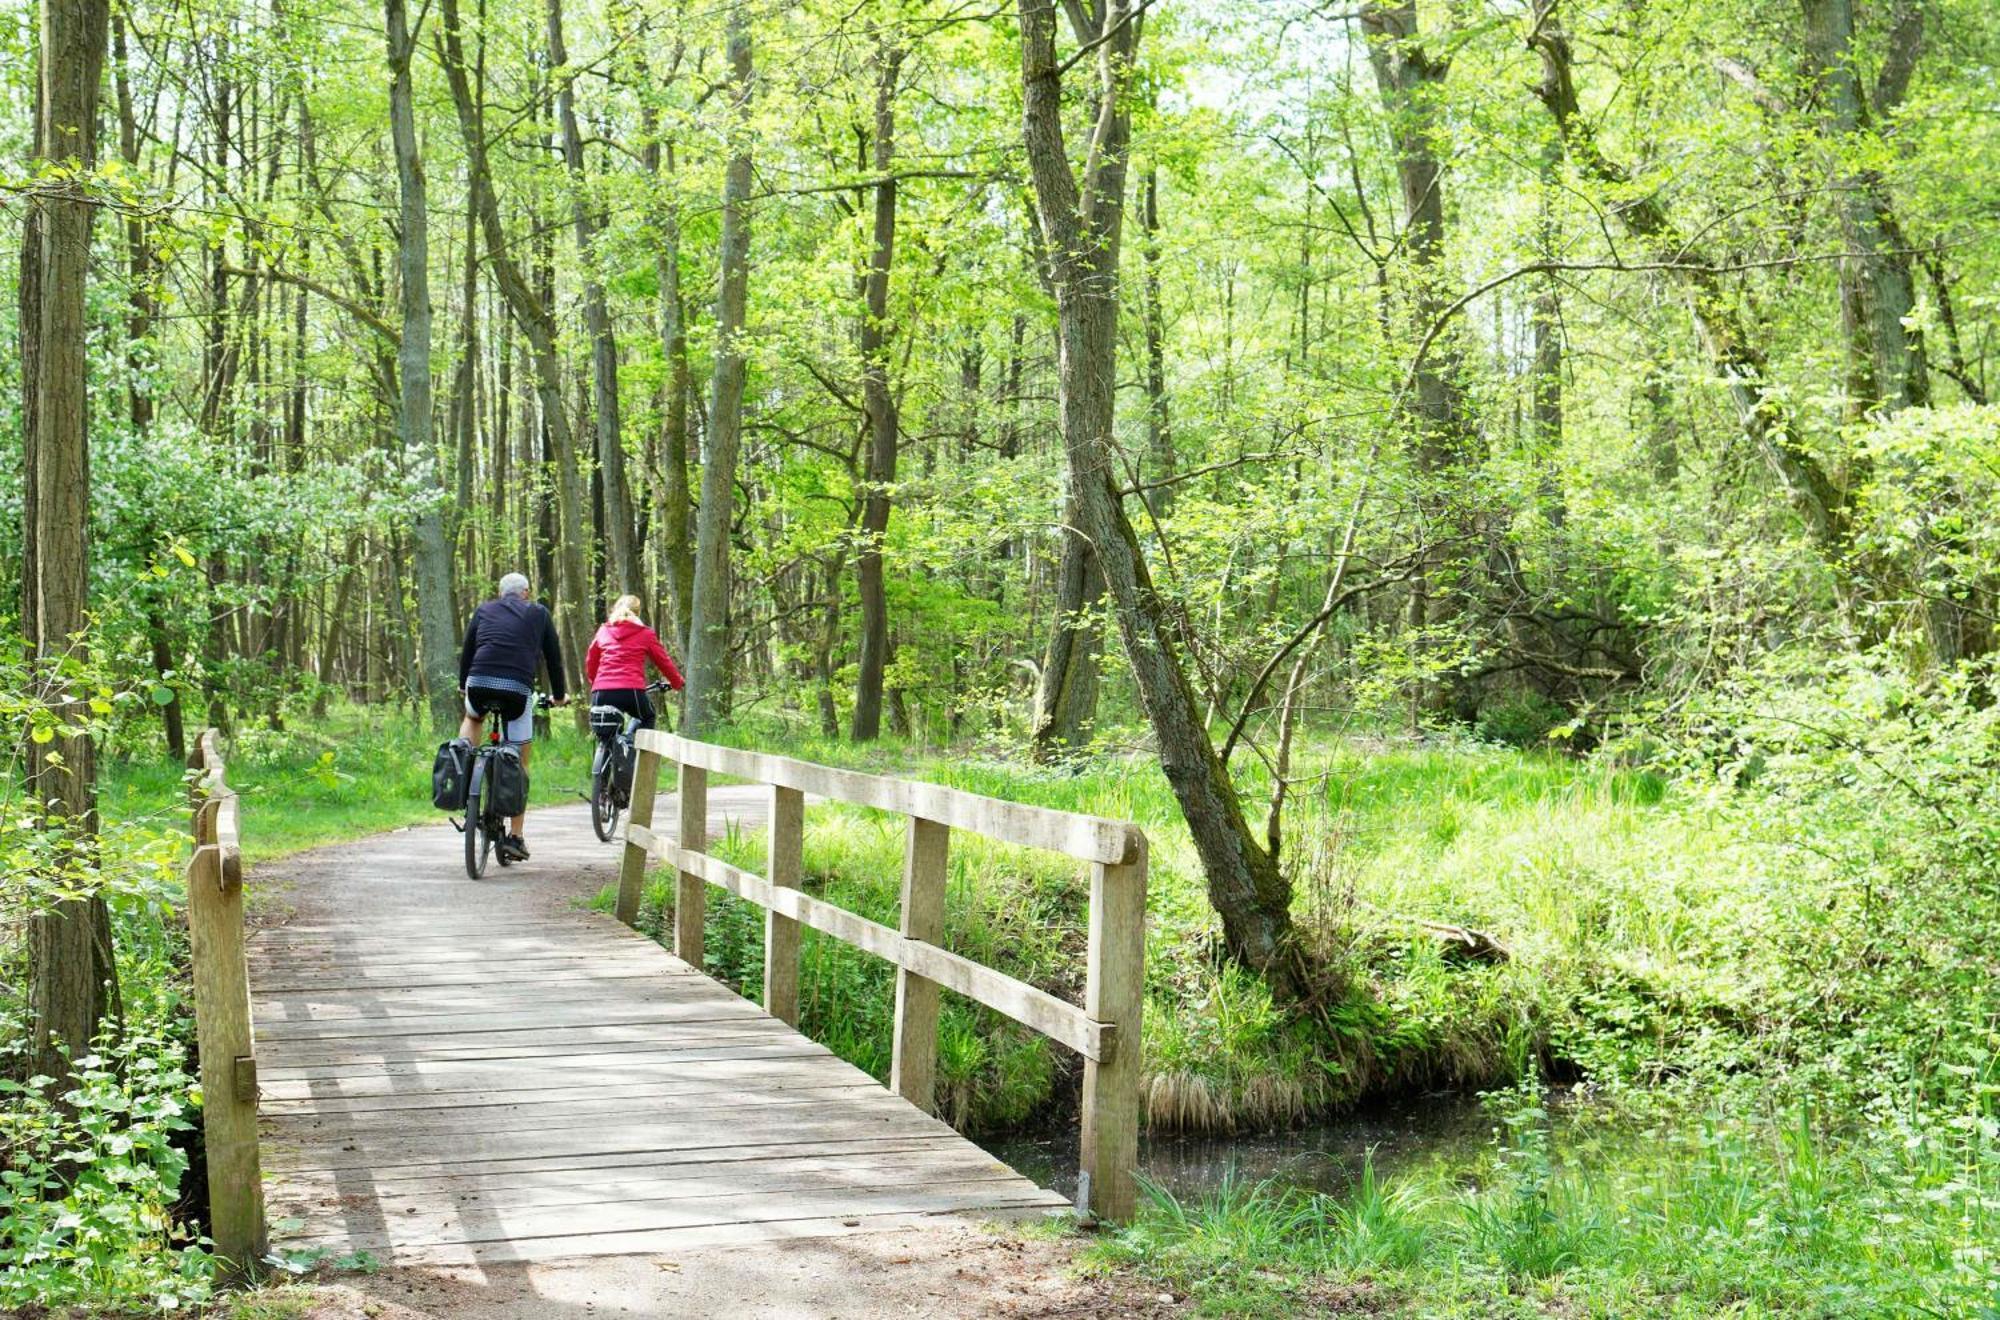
x: 506, y: 640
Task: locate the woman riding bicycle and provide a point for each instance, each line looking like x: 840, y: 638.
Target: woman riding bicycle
x: 614, y: 668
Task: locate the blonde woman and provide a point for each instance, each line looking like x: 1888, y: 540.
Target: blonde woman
x: 614, y: 669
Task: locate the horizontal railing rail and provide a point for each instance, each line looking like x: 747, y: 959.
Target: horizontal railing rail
x: 1104, y: 1030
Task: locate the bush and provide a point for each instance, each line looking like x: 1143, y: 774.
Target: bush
x: 1521, y: 720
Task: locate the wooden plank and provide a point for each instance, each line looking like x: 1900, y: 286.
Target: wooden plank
x: 668, y: 1069
x: 390, y: 1179
x: 224, y: 1033
x: 1114, y: 992
x: 1061, y: 1022
x: 475, y: 1224
x: 1087, y: 838
x: 577, y: 974
x: 660, y: 1242
x: 633, y: 1012
x: 632, y: 1054
x: 322, y: 1197
x: 632, y: 858
x: 781, y: 933
x: 690, y: 896
x: 467, y: 1103
x: 349, y: 1005
x: 599, y: 1138
x: 283, y: 1057
x: 534, y: 1117
x: 913, y: 1057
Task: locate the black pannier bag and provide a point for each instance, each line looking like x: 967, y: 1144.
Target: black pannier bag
x: 508, y: 780
x: 451, y: 772
x: 627, y: 763
x: 605, y: 722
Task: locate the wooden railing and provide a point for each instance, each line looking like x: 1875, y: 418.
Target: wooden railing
x: 1104, y: 1030
x: 222, y: 1017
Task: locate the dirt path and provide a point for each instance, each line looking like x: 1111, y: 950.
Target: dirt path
x: 945, y: 1267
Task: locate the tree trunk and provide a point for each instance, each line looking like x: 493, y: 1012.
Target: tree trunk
x: 413, y: 369
x: 878, y: 404
x: 1822, y: 504
x: 1878, y: 288
x: 72, y: 977
x: 676, y: 548
x: 1066, y: 692
x: 1080, y: 226
x: 1159, y: 428
x: 624, y: 568
x: 708, y: 629
x: 538, y: 325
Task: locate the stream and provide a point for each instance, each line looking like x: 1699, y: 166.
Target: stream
x: 1325, y: 1157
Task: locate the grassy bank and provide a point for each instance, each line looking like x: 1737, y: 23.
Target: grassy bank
x: 1396, y: 840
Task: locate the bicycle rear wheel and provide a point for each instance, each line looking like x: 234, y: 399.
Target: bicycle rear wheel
x: 604, y: 796
x: 478, y: 841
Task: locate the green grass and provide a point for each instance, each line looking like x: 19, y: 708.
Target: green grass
x: 1532, y: 847
x: 361, y: 771
x: 1694, y: 1214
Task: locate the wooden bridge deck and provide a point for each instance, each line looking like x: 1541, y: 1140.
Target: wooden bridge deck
x: 460, y: 1072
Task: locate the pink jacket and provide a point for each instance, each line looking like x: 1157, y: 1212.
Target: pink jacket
x: 618, y: 654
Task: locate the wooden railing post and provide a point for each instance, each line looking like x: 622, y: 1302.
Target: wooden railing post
x: 632, y: 866
x: 691, y: 892
x: 781, y: 934
x: 1115, y: 993
x: 913, y: 1062
x: 222, y: 1025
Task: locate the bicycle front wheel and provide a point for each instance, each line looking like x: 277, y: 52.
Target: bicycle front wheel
x: 478, y: 841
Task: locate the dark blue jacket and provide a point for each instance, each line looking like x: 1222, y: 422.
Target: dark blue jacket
x: 511, y: 638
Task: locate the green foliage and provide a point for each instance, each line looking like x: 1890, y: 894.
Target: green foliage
x: 89, y: 1189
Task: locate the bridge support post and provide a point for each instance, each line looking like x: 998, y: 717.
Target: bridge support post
x: 222, y: 1023
x: 913, y: 1062
x: 691, y: 893
x: 632, y: 866
x: 1115, y: 993
x: 781, y: 934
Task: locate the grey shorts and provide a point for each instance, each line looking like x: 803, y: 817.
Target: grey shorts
x: 520, y: 728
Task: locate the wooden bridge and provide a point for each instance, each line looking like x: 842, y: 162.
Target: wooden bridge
x: 451, y: 1072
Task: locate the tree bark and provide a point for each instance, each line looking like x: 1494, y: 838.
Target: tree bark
x: 413, y: 370
x: 1159, y: 425
x: 538, y: 325
x: 676, y: 548
x: 1080, y: 228
x: 72, y: 977
x: 625, y: 570
x: 878, y: 405
x: 708, y: 629
x: 1887, y: 366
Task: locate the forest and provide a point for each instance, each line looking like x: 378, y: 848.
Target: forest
x: 1503, y: 491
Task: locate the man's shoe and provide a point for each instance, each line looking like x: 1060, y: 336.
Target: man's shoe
x: 515, y: 847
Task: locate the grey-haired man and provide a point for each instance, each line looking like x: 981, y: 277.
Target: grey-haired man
x: 507, y: 640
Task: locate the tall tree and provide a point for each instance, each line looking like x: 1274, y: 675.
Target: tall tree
x: 625, y: 568
x: 413, y: 370
x: 878, y: 403
x: 530, y: 310
x: 71, y: 973
x: 708, y: 628
x: 1081, y: 219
